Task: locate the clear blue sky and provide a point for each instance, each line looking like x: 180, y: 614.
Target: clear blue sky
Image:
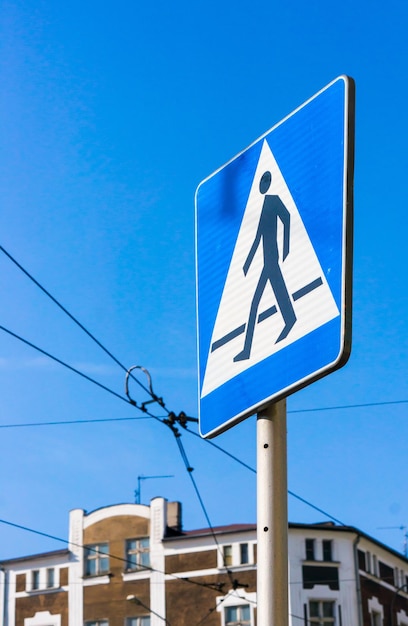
x: 110, y: 116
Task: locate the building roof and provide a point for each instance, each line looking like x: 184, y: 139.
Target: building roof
x: 201, y: 532
x: 41, y: 555
x: 321, y: 526
x: 223, y: 530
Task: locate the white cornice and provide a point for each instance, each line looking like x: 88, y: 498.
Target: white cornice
x: 135, y: 510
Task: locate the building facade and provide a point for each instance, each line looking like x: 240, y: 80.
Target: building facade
x: 133, y: 565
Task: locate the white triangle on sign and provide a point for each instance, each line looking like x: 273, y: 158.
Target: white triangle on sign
x: 310, y: 295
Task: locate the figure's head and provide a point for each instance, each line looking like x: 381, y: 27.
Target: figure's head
x: 265, y: 182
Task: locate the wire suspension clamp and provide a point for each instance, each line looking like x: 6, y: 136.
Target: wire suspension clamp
x: 154, y: 397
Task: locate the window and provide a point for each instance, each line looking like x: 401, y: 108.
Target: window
x: 310, y: 549
x: 386, y: 572
x: 96, y: 560
x: 320, y: 575
x: 321, y: 613
x: 244, y: 553
x: 362, y: 560
x: 375, y: 565
x: 327, y: 550
x: 142, y: 620
x: 368, y: 562
x: 227, y: 554
x: 98, y: 622
x: 235, y: 555
x: 35, y: 579
x: 238, y: 615
x: 137, y: 553
x: 50, y: 578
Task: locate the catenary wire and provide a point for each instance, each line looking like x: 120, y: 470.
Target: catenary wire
x: 253, y: 470
x: 57, y: 360
x: 211, y: 611
x: 77, y: 322
x: 80, y: 325
x: 147, y: 607
x: 177, y: 436
x: 180, y: 445
x: 186, y: 579
x: 62, y: 422
x: 91, y: 336
x: 149, y: 415
x: 215, y: 586
x: 181, y: 448
x: 349, y: 406
x: 189, y: 469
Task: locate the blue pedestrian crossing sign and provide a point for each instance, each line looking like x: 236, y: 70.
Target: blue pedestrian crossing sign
x: 273, y: 261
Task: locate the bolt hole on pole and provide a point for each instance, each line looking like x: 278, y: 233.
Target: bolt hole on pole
x: 272, y: 517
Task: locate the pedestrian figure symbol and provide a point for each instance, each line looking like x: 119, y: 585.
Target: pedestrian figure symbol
x: 275, y: 291
x: 273, y: 261
x: 267, y: 233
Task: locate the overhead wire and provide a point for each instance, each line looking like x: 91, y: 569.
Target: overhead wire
x: 148, y: 415
x: 155, y: 398
x: 72, y: 317
x: 215, y: 586
x: 57, y: 360
x: 190, y: 469
x: 128, y: 372
x: 149, y: 390
x: 69, y: 422
x: 349, y: 406
x: 211, y: 611
x: 253, y: 470
x: 147, y: 607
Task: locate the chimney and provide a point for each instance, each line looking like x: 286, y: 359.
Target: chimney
x: 174, y: 521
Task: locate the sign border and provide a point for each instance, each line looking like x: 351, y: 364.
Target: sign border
x: 347, y: 258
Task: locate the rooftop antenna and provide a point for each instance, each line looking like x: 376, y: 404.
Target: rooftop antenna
x: 405, y: 544
x: 139, y: 485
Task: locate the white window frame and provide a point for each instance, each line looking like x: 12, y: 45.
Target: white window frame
x: 43, y: 618
x: 402, y: 618
x: 227, y: 555
x: 239, y: 597
x: 140, y: 619
x: 368, y: 562
x: 241, y: 545
x: 238, y: 608
x: 374, y: 606
x: 375, y: 566
x: 332, y: 621
x: 138, y: 551
x: 47, y: 578
x: 97, y: 622
x: 91, y: 553
x: 235, y: 555
x: 35, y: 584
x: 42, y: 579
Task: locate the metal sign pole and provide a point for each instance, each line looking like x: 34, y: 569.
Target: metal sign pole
x: 272, y: 517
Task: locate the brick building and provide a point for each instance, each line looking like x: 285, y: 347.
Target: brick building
x: 133, y: 565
